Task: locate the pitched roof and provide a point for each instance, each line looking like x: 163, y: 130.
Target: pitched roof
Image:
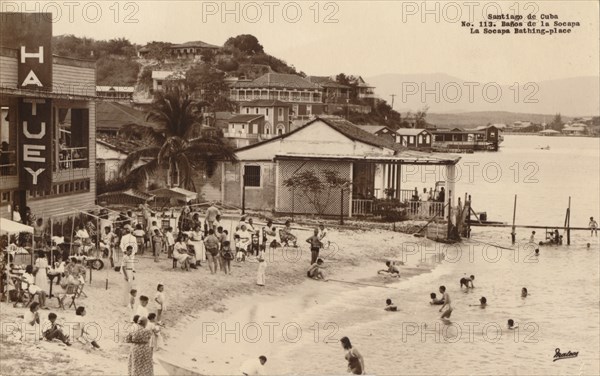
x: 353, y: 132
x: 325, y: 81
x: 168, y: 75
x: 279, y: 80
x: 245, y: 118
x: 121, y: 144
x: 197, y: 44
x: 410, y: 131
x: 374, y: 128
x: 116, y: 89
x: 265, y: 103
x: 113, y: 116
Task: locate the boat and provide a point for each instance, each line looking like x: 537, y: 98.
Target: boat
x: 175, y: 370
x: 547, y: 147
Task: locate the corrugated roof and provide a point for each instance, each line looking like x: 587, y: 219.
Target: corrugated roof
x: 113, y: 116
x: 118, y: 143
x: 245, y: 118
x: 117, y: 89
x: 409, y: 131
x: 373, y: 128
x: 279, y: 80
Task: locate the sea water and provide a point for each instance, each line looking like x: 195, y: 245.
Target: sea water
x: 300, y: 333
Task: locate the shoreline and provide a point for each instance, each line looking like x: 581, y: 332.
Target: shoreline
x: 192, y: 296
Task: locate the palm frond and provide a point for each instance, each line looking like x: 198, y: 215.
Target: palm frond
x: 140, y: 174
x: 135, y: 156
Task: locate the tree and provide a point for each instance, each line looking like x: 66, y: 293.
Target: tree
x: 246, y: 43
x: 158, y: 51
x: 180, y: 147
x: 557, y: 123
x: 420, y: 116
x: 318, y: 191
x: 209, y: 87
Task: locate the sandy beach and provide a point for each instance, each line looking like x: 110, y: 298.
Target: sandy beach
x: 196, y: 297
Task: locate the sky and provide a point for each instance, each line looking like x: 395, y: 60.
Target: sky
x: 356, y: 37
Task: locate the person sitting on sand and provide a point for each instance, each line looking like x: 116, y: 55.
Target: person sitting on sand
x: 467, y: 282
x: 180, y: 252
x: 435, y: 300
x: 79, y: 331
x: 315, y: 271
x: 287, y: 236
x: 391, y: 270
x: 524, y: 292
x: 511, y: 324
x: 446, y: 298
x: 389, y: 306
x: 55, y: 331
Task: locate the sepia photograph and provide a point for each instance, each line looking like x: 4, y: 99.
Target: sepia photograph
x: 309, y: 187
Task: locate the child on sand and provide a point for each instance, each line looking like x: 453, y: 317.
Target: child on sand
x: 389, y: 306
x: 132, y: 300
x: 262, y: 267
x: 161, y: 302
x: 169, y: 241
x: 435, y: 300
x: 446, y: 298
x: 315, y: 271
x: 156, y: 342
x: 391, y: 269
x: 142, y: 309
x: 226, y: 256
x: 79, y: 328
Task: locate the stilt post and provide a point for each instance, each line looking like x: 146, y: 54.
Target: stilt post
x: 569, y: 222
x: 513, y: 234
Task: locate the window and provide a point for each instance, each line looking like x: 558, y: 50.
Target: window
x: 295, y: 109
x: 411, y: 139
x: 280, y: 112
x: 267, y: 112
x: 252, y: 176
x: 256, y: 110
x: 247, y: 110
x: 71, y: 138
x: 309, y: 110
x: 8, y: 155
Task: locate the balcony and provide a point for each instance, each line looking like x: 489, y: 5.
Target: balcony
x: 72, y: 158
x: 8, y: 163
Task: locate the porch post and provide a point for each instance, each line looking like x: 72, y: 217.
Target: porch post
x: 450, y: 183
x: 276, y: 185
x: 351, y: 191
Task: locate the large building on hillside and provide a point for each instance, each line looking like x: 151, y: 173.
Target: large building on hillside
x: 305, y: 97
x: 48, y: 124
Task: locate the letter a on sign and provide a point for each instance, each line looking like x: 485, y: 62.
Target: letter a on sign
x: 31, y: 79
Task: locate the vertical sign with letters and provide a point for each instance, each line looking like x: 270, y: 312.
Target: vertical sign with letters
x: 31, y: 35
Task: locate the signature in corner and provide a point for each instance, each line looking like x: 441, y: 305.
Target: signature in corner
x: 569, y: 354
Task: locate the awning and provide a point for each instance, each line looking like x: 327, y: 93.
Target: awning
x: 176, y: 192
x: 9, y: 227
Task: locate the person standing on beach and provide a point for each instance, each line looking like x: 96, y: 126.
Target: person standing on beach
x: 262, y: 267
x: 356, y: 363
x: 315, y: 246
x: 211, y: 216
x: 128, y: 268
x: 532, y: 237
x: 446, y: 298
x: 211, y: 243
x: 593, y: 227
x: 140, y: 361
x: 128, y: 240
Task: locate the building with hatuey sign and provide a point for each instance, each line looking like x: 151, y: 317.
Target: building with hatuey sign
x: 47, y: 159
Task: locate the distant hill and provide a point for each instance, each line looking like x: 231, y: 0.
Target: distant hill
x: 577, y: 96
x: 473, y: 119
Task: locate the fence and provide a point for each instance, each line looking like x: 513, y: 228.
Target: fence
x: 362, y: 207
x: 425, y: 209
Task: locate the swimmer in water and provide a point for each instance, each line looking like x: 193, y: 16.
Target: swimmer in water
x: 482, y: 303
x: 511, y: 324
x: 391, y: 270
x: 435, y: 300
x: 524, y: 292
x: 537, y: 251
x: 389, y: 306
x: 446, y: 298
x: 467, y: 281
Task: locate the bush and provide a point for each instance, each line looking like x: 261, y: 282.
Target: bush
x: 390, y: 210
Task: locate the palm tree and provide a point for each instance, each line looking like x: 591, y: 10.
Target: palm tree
x: 181, y: 146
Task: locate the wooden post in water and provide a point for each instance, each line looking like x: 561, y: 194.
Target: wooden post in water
x: 569, y: 222
x: 513, y: 234
x: 468, y: 216
x: 449, y: 214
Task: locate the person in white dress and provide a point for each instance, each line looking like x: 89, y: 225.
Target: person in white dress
x: 41, y: 276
